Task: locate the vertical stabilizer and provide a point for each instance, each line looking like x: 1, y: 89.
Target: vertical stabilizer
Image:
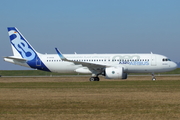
x: 20, y: 46
x: 23, y: 52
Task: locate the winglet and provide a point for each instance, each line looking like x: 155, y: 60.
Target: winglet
x: 60, y: 54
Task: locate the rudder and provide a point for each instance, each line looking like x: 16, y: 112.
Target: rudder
x: 23, y: 52
x: 20, y: 46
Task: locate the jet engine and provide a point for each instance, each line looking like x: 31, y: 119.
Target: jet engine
x: 115, y: 73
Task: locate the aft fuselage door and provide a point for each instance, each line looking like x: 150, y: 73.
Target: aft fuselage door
x: 38, y: 61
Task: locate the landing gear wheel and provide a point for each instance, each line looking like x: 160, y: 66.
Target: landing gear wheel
x: 91, y: 79
x: 97, y: 78
x: 94, y: 79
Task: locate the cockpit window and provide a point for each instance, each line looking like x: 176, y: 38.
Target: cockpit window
x: 166, y: 59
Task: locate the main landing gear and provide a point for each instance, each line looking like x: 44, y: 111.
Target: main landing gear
x: 94, y: 79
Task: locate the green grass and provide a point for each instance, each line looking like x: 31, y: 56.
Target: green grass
x: 43, y: 73
x: 31, y: 73
x: 141, y: 85
x: 132, y: 99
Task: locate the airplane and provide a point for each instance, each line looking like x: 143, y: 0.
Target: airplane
x: 112, y: 66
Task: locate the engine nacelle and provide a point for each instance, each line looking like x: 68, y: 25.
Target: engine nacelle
x: 115, y: 73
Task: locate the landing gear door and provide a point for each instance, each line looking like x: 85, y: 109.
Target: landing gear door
x: 153, y: 60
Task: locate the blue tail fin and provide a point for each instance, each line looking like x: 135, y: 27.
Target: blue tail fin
x: 22, y: 49
x: 20, y: 45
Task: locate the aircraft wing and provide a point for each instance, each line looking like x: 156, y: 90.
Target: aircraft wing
x: 91, y: 66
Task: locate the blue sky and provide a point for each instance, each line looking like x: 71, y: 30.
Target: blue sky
x: 93, y: 26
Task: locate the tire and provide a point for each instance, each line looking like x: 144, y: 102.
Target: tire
x: 91, y: 79
x: 94, y: 79
x: 97, y: 78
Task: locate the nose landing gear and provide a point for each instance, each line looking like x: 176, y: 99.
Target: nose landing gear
x: 153, y: 77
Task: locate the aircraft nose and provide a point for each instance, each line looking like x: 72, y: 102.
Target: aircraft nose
x: 173, y: 65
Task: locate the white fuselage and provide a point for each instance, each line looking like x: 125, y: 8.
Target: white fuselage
x: 132, y: 63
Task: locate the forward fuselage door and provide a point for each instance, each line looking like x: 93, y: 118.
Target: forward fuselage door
x: 153, y: 60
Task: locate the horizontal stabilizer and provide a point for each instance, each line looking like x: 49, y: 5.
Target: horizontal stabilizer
x: 15, y: 58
